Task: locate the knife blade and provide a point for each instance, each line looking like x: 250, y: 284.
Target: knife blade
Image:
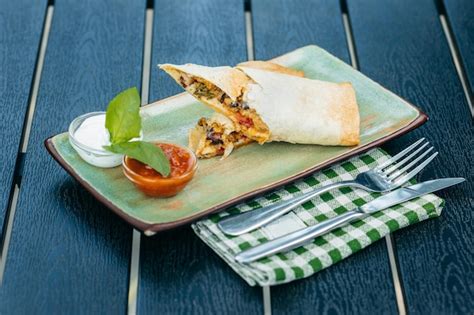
x: 406, y: 193
x: 301, y: 237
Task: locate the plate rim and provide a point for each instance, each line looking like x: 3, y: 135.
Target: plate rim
x: 152, y: 228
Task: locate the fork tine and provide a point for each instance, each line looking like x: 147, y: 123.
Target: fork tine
x: 398, y: 156
x: 400, y: 171
x: 415, y: 171
x: 393, y: 168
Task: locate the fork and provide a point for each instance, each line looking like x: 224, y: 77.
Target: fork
x: 382, y: 178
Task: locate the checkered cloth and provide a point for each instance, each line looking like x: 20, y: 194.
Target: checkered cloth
x: 327, y: 249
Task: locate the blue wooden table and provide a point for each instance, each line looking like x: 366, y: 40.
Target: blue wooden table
x: 62, y: 252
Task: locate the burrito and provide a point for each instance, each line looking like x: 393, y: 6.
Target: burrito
x: 267, y: 105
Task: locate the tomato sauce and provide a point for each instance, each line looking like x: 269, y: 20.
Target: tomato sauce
x: 183, y: 166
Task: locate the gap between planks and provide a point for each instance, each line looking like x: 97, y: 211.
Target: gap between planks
x: 135, y: 254
x: 267, y: 301
x: 26, y: 135
x: 249, y: 35
x: 397, y: 285
x: 6, y: 242
x: 388, y: 239
x: 457, y: 63
x: 267, y: 306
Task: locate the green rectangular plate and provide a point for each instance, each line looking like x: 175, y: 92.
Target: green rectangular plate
x: 248, y: 171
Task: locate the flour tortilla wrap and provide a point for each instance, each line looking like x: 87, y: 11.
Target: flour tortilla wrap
x: 270, y: 66
x: 300, y: 110
x: 269, y: 106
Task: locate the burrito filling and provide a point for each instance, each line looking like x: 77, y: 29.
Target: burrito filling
x: 246, y: 118
x: 215, y: 136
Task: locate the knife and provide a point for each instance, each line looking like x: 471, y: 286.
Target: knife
x: 303, y: 236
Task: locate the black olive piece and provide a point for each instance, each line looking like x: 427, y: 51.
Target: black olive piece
x: 215, y: 140
x: 183, y: 83
x: 245, y: 106
x: 222, y: 98
x: 214, y: 137
x: 234, y: 104
x: 218, y: 141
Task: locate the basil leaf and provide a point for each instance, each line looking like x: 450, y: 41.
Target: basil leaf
x: 122, y: 118
x: 144, y: 152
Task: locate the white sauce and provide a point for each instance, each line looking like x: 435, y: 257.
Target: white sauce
x: 91, y: 136
x: 92, y: 133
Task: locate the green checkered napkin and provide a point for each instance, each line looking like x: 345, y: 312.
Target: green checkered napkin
x: 327, y: 249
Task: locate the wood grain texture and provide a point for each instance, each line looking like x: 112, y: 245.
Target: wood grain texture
x: 69, y: 254
x: 460, y: 14
x: 281, y: 26
x: 362, y: 283
x: 401, y: 45
x: 178, y: 273
x: 19, y: 45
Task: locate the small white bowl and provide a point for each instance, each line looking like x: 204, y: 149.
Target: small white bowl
x: 99, y: 158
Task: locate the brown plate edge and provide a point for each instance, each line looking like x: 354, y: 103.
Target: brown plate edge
x: 151, y: 229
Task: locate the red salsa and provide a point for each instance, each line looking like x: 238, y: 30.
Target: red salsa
x: 183, y: 166
x: 180, y: 161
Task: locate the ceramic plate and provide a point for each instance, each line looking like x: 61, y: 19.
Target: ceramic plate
x: 248, y: 171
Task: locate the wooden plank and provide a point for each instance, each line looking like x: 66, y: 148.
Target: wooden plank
x: 178, y: 273
x: 401, y: 45
x: 460, y: 14
x: 69, y: 254
x: 362, y: 283
x: 282, y: 26
x: 19, y: 45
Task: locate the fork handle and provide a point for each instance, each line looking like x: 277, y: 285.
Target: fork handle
x: 248, y: 221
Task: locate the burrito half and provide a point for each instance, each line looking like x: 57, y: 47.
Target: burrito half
x: 301, y: 110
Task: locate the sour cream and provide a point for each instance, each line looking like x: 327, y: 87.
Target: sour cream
x: 92, y: 133
x: 88, y: 136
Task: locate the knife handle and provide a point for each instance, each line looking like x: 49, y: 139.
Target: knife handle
x: 248, y: 221
x: 297, y: 238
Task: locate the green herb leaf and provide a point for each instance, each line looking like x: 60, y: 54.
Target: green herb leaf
x: 122, y: 118
x: 144, y: 152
